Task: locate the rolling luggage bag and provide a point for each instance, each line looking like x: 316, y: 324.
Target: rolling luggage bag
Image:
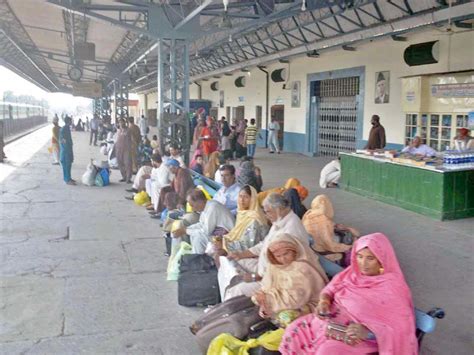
x: 197, y: 282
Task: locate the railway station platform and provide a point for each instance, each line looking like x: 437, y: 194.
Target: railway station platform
x: 82, y: 269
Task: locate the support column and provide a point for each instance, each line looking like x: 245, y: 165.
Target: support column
x: 173, y: 94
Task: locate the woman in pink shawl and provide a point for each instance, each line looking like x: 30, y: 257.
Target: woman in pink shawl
x: 370, y: 297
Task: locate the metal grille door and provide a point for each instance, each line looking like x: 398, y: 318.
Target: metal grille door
x: 337, y: 116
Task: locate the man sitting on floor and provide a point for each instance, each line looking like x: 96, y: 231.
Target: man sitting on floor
x: 228, y: 194
x: 330, y: 174
x: 214, y: 219
x: 140, y: 179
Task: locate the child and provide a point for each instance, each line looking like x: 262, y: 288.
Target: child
x: 154, y: 141
x: 199, y: 164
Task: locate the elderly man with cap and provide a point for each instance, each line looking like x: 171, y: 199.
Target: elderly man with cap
x: 55, y: 140
x: 377, y: 138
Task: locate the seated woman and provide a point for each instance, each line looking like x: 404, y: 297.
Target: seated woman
x: 250, y: 229
x: 318, y: 222
x: 246, y: 174
x: 290, y: 183
x: 291, y: 284
x: 370, y: 298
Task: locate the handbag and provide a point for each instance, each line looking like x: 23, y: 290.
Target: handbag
x: 338, y: 332
x: 344, y: 237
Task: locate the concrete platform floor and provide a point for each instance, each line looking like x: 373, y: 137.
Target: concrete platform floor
x: 82, y: 269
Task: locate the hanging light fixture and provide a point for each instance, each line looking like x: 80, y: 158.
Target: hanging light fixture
x: 226, y: 3
x: 230, y: 37
x: 303, y: 5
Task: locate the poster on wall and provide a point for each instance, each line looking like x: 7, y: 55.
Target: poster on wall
x: 221, y: 98
x: 295, y: 93
x: 382, y: 87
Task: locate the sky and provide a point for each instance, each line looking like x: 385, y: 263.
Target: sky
x: 10, y: 81
x: 58, y: 102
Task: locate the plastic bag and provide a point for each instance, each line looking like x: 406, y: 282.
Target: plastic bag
x: 88, y: 178
x: 98, y: 180
x: 105, y: 174
x: 226, y: 344
x: 173, y: 264
x: 141, y: 198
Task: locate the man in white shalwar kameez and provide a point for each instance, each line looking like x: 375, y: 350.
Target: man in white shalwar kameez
x: 330, y: 174
x: 213, y: 215
x: 278, y: 211
x: 139, y: 181
x: 160, y: 177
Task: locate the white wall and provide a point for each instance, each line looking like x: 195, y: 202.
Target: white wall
x: 456, y: 53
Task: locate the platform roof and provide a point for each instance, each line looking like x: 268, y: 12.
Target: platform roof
x: 40, y: 39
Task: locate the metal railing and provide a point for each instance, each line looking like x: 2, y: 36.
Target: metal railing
x: 19, y: 125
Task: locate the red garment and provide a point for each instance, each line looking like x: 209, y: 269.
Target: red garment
x: 209, y: 137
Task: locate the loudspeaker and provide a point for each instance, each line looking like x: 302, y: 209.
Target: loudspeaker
x: 422, y: 53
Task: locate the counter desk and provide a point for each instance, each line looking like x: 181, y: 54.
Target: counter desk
x: 432, y: 192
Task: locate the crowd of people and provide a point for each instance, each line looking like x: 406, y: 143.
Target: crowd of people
x: 266, y: 245
x: 266, y: 242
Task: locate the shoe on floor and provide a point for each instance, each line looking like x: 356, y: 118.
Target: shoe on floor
x: 271, y: 152
x: 131, y: 190
x: 129, y: 182
x: 155, y: 216
x: 129, y: 198
x: 71, y: 182
x: 122, y: 180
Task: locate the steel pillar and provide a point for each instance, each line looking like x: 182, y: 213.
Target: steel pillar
x: 173, y: 94
x: 120, y: 101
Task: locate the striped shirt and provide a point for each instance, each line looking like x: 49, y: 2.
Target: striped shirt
x: 251, y: 134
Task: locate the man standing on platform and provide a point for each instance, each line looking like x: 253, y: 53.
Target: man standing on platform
x: 66, y: 155
x: 94, y: 125
x: 274, y: 128
x: 136, y: 138
x: 143, y: 124
x: 251, y: 138
x: 376, y: 135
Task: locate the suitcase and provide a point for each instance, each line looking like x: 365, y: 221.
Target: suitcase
x: 235, y: 316
x: 197, y: 282
x: 222, y: 310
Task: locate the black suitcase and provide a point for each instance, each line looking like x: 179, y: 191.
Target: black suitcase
x: 197, y: 282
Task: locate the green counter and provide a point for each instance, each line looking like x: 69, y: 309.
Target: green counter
x: 433, y: 193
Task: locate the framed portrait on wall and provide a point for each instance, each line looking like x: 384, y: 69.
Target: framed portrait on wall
x: 221, y: 98
x: 295, y: 93
x: 382, y: 87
